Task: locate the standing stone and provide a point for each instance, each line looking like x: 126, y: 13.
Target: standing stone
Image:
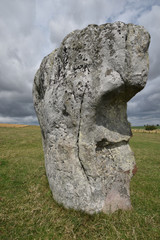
x: 80, y: 96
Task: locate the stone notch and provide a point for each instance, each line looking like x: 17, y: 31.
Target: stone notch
x: 80, y: 95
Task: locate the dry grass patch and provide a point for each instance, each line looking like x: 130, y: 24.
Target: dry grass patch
x: 8, y: 125
x: 145, y: 131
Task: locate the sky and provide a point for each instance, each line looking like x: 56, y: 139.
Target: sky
x: 31, y: 29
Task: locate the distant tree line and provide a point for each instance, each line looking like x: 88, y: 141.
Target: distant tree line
x: 151, y: 127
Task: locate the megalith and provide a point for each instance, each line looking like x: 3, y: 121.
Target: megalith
x: 80, y: 95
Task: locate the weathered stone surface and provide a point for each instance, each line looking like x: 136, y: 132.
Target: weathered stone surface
x: 80, y: 96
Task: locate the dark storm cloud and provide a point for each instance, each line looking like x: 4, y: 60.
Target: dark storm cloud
x: 32, y: 29
x: 144, y: 108
x: 22, y: 47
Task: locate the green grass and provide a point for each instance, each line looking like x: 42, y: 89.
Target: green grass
x: 28, y: 211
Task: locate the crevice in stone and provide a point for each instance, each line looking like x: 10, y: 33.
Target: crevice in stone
x: 64, y: 111
x: 78, y: 136
x: 108, y: 145
x: 73, y: 93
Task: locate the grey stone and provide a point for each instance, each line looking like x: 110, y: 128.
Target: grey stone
x: 80, y: 96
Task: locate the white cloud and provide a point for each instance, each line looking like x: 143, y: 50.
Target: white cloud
x: 73, y: 15
x: 144, y: 108
x: 151, y: 21
x: 59, y: 29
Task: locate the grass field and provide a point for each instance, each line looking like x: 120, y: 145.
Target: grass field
x: 28, y: 211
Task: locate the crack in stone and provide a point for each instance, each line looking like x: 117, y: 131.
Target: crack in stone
x: 109, y: 145
x: 78, y: 136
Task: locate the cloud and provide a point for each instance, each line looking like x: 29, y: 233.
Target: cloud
x: 21, y: 50
x: 73, y: 15
x: 32, y: 29
x: 28, y: 120
x: 144, y: 108
x: 151, y: 21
